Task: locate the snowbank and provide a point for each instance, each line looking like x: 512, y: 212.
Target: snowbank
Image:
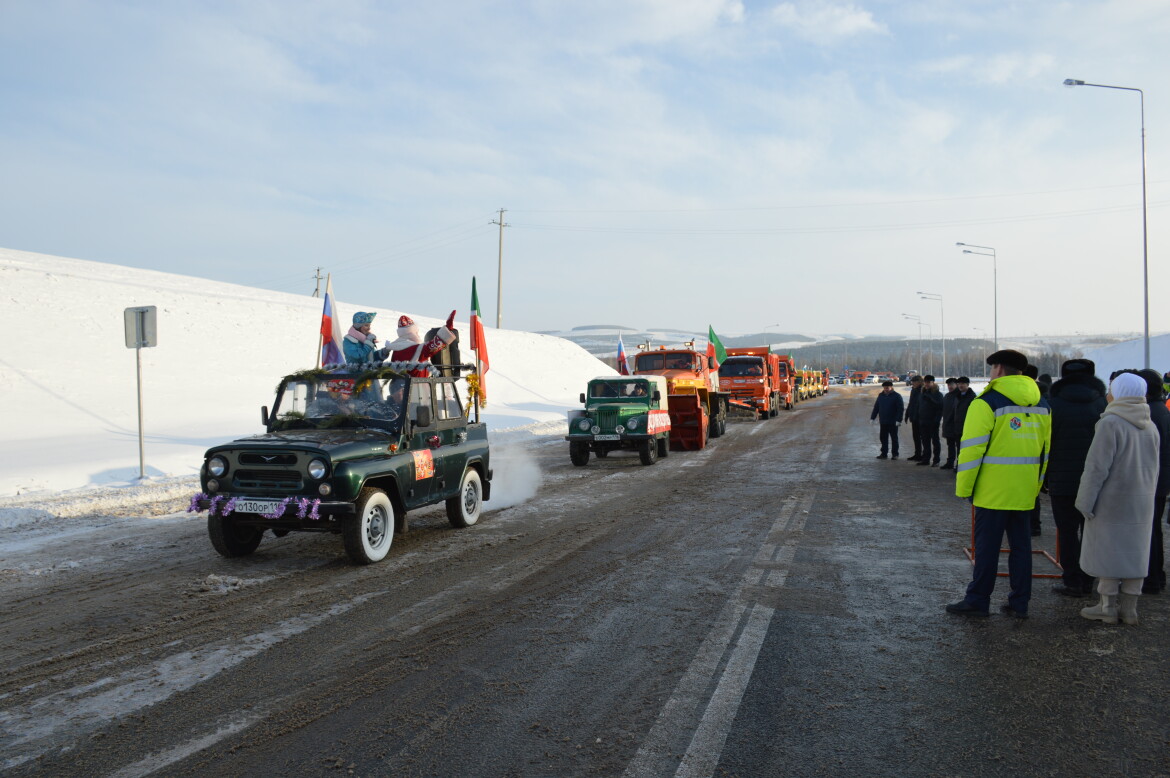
x: 68, y: 380
x: 1131, y: 354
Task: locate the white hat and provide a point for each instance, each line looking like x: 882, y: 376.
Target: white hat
x: 1128, y: 385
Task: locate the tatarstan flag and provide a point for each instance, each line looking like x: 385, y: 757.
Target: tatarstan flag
x: 478, y: 343
x: 715, y: 346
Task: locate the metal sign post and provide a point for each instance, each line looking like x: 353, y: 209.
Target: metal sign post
x: 141, y: 332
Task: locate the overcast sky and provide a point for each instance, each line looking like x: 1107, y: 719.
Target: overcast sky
x: 663, y: 163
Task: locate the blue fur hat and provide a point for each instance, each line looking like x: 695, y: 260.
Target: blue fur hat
x: 361, y: 317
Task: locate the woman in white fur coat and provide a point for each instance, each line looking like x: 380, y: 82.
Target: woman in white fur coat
x: 1116, y: 496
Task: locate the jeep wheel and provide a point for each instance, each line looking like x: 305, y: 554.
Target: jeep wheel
x: 368, y: 535
x: 664, y: 446
x: 579, y: 454
x: 464, y: 508
x: 648, y: 451
x: 231, y: 539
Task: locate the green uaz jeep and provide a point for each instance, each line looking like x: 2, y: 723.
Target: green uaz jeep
x: 348, y: 452
x: 621, y: 412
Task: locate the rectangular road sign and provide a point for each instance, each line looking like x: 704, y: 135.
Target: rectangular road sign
x: 142, y: 327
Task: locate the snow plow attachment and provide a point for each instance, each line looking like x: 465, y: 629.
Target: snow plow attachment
x: 688, y: 423
x: 741, y: 408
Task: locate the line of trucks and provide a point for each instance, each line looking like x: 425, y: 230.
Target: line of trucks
x: 679, y: 399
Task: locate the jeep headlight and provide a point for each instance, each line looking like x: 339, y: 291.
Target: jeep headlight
x: 595, y: 429
x: 632, y: 424
x: 317, y: 470
x: 216, y: 466
x: 584, y: 425
x: 619, y: 429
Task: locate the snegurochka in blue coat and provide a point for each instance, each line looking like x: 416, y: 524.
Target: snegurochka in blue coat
x: 888, y: 409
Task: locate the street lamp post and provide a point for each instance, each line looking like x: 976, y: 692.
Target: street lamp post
x: 938, y: 298
x: 1145, y: 241
x: 917, y: 319
x: 994, y: 284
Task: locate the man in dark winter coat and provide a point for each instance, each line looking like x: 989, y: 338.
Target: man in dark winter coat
x: 950, y: 434
x: 964, y: 394
x: 887, y: 409
x: 1077, y: 401
x: 912, y: 416
x: 930, y: 412
x: 1160, y: 415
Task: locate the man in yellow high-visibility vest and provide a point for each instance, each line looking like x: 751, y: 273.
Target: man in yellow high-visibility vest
x: 1002, y: 457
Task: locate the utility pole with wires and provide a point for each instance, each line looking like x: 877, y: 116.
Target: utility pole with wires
x: 317, y: 291
x: 500, y: 271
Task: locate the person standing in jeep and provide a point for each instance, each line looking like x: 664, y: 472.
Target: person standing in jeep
x: 409, y: 346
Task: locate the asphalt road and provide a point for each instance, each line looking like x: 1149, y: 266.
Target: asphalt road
x: 770, y: 606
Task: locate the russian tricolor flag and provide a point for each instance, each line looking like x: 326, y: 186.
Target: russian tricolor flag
x: 622, y: 366
x: 331, y: 353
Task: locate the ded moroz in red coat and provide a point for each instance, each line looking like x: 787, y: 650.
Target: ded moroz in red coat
x: 409, y: 346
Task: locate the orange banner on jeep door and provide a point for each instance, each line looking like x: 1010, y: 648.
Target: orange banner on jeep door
x: 424, y: 465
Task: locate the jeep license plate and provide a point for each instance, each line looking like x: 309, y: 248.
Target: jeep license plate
x: 256, y: 506
x: 607, y: 437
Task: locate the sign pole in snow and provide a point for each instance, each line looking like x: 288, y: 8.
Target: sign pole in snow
x: 141, y: 332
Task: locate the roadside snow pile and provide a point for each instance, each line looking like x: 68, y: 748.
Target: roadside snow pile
x: 69, y: 381
x: 1131, y: 354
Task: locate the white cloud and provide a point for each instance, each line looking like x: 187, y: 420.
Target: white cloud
x: 1003, y: 68
x: 826, y: 23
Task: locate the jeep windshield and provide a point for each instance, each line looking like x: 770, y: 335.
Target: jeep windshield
x: 331, y: 401
x: 621, y: 389
x: 738, y: 367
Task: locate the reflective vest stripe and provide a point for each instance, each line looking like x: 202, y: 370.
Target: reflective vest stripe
x: 974, y: 463
x: 1011, y: 460
x: 975, y: 441
x: 1036, y: 409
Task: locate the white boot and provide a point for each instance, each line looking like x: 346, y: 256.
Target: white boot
x: 1105, y: 610
x: 1127, y: 608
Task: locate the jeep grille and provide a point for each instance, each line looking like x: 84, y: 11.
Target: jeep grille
x: 267, y: 479
x: 607, y: 420
x: 261, y: 458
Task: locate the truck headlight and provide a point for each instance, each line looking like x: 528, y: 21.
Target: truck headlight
x: 317, y: 470
x: 632, y: 424
x: 619, y: 429
x: 584, y: 425
x: 595, y: 429
x: 216, y: 466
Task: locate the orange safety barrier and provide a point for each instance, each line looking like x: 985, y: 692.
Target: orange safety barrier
x: 970, y: 552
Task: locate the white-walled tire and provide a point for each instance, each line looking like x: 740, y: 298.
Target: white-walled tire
x: 464, y: 509
x: 368, y: 535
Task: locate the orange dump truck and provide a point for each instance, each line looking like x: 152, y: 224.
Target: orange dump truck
x: 698, y: 409
x: 786, y: 381
x: 749, y: 374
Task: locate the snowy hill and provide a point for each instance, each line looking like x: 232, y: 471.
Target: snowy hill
x: 1131, y: 354
x: 68, y: 380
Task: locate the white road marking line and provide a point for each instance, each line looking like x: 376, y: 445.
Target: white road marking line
x: 656, y: 755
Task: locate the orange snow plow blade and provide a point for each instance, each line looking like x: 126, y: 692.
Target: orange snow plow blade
x: 688, y: 423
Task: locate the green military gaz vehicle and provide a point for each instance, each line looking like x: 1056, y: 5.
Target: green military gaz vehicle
x: 621, y: 413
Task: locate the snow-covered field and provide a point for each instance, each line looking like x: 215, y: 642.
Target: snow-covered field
x: 68, y: 379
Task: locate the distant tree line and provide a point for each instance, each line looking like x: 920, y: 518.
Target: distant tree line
x: 965, y: 356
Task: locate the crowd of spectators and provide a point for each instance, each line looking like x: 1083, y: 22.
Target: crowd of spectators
x: 1101, y: 454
